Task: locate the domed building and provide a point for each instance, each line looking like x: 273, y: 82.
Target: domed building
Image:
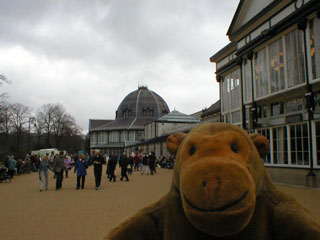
x: 136, y: 110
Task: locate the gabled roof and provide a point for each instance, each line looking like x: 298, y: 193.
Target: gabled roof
x: 231, y: 46
x: 124, y: 124
x: 95, y: 123
x: 175, y: 116
x: 252, y: 12
x: 214, y: 108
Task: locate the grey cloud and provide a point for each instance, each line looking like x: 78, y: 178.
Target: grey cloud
x: 108, y: 47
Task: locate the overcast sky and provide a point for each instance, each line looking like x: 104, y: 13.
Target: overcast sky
x: 88, y: 55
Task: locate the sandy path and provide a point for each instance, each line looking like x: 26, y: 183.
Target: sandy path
x: 84, y: 214
x: 27, y: 213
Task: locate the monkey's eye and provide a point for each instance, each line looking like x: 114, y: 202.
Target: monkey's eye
x: 192, y: 150
x: 234, y: 147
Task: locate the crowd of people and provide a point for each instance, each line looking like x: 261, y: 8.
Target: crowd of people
x: 61, y: 164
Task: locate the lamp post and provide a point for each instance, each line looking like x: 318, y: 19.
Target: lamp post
x: 31, y: 120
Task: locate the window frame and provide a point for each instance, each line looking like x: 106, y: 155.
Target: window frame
x: 229, y: 87
x: 289, y: 147
x: 308, y: 36
x: 266, y: 47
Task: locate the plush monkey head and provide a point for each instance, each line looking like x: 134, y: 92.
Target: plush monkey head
x: 219, y: 173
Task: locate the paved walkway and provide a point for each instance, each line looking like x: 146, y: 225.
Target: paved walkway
x: 27, y: 213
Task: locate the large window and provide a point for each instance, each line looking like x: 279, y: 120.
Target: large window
x: 231, y: 97
x: 261, y: 76
x: 280, y: 145
x: 266, y: 133
x: 247, y: 81
x: 235, y: 89
x: 103, y: 137
x: 276, y: 66
x: 317, y: 131
x: 114, y: 136
x: 124, y: 136
x: 295, y: 105
x: 236, y: 117
x: 226, y: 95
x: 295, y: 58
x: 140, y: 135
x: 131, y: 136
x: 93, y: 138
x: 299, y: 144
x: 231, y: 91
x: 289, y: 144
x: 281, y: 64
x: 277, y: 109
x: 314, y: 31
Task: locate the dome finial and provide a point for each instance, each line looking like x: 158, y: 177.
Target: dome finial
x: 142, y: 86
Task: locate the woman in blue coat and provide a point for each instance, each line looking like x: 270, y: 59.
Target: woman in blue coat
x: 81, y: 166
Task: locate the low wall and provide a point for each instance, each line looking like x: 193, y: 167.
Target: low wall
x: 301, y: 177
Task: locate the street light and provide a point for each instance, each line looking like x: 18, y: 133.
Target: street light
x: 31, y: 120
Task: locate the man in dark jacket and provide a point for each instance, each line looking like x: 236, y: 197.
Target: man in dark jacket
x: 97, y: 161
x: 58, y: 166
x: 145, y: 164
x: 124, y: 161
x: 152, y: 163
x: 111, y: 167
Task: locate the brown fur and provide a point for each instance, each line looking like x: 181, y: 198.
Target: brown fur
x: 220, y: 190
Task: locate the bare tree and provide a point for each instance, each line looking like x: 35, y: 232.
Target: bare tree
x: 20, y: 115
x: 45, y: 119
x: 39, y: 129
x: 54, y: 121
x: 5, y: 122
x: 62, y: 124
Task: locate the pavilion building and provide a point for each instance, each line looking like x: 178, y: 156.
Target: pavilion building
x: 269, y: 78
x: 137, y: 109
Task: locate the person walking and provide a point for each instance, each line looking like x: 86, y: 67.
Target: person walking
x: 137, y: 161
x: 130, y: 166
x: 51, y: 158
x: 97, y: 168
x: 58, y: 166
x: 27, y: 162
x: 152, y: 163
x: 12, y: 166
x: 145, y: 164
x: 37, y: 161
x: 67, y: 164
x: 124, y: 161
x: 81, y: 166
x: 43, y: 172
x: 112, y: 163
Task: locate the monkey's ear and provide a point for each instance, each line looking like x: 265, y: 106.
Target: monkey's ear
x: 173, y: 142
x: 262, y: 144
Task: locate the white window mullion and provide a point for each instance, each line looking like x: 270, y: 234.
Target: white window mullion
x: 268, y: 70
x: 284, y: 49
x: 307, y: 54
x: 296, y: 143
x: 243, y: 82
x: 271, y: 145
x: 253, y: 77
x: 314, y: 143
x: 302, y: 138
x: 289, y: 144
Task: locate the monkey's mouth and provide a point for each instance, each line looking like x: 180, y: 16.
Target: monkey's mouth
x: 220, y: 209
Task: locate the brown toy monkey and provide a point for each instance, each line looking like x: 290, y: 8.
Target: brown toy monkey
x: 220, y: 190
